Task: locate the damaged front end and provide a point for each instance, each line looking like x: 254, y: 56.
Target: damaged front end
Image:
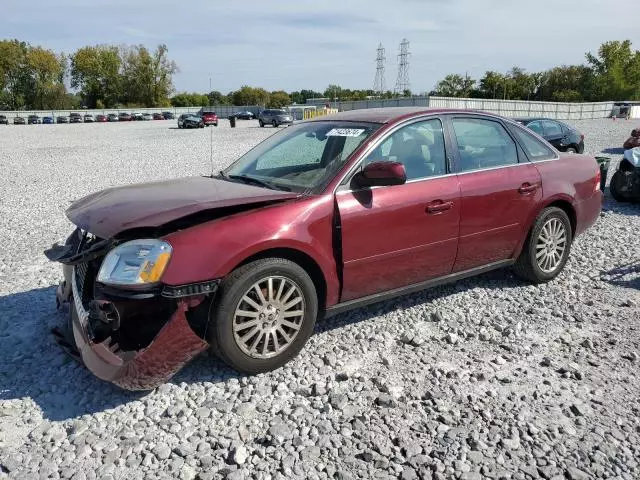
x: 136, y: 336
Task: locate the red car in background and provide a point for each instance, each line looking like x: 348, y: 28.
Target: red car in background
x: 209, y: 118
x: 101, y: 118
x: 328, y: 215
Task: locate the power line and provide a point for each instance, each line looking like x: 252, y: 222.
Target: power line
x: 402, y: 83
x: 379, y: 85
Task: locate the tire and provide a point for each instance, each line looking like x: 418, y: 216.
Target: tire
x: 527, y: 265
x: 239, y: 285
x: 617, y: 180
x: 261, y: 123
x: 275, y: 124
x: 571, y: 150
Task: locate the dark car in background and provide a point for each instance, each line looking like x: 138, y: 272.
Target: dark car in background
x: 562, y: 136
x: 124, y: 117
x: 47, y: 120
x: 138, y: 117
x: 158, y: 116
x: 168, y: 115
x: 112, y: 117
x: 88, y: 118
x: 101, y: 118
x: 190, y: 120
x: 17, y: 120
x: 4, y: 120
x: 33, y: 120
x: 275, y: 117
x: 62, y: 119
x: 75, y: 118
x: 247, y: 115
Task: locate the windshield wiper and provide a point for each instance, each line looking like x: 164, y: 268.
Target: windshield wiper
x: 257, y: 181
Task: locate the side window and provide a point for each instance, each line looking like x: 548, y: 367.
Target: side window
x: 552, y: 128
x: 418, y: 146
x: 536, y: 127
x: 483, y: 144
x: 536, y: 150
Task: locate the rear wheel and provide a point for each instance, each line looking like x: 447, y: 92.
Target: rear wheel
x: 263, y: 315
x: 275, y: 124
x: 571, y: 150
x: 547, y: 247
x: 617, y: 186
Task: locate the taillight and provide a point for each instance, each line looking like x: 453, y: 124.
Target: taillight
x: 596, y: 186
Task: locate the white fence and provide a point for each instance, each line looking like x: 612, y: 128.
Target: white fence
x: 507, y: 108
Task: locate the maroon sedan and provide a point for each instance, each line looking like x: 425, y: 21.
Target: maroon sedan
x: 328, y: 215
x: 210, y: 118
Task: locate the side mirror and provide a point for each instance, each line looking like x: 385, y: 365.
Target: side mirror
x: 381, y: 174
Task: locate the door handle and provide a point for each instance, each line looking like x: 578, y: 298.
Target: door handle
x: 438, y: 207
x: 527, y: 188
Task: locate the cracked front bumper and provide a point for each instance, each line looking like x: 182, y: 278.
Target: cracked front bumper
x: 175, y: 345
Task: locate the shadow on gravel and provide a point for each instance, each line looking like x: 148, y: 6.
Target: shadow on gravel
x: 627, y: 275
x: 614, y: 150
x: 623, y: 208
x: 34, y: 366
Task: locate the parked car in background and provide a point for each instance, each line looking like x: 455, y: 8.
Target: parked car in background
x: 137, y: 117
x: 168, y: 115
x: 391, y: 201
x: 88, y: 118
x: 4, y: 120
x: 33, y: 119
x: 210, y: 118
x: 246, y: 115
x: 158, y: 116
x: 18, y: 120
x: 101, y: 118
x: 112, y: 117
x: 124, y: 117
x: 275, y: 117
x: 62, y: 119
x: 190, y: 120
x: 47, y: 120
x: 147, y: 116
x: 75, y: 117
x: 562, y: 136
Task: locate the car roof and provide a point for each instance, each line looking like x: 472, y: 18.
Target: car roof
x: 391, y: 114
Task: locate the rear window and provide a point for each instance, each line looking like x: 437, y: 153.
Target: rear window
x: 535, y: 149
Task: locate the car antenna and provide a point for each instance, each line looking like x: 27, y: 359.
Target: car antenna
x: 211, y: 151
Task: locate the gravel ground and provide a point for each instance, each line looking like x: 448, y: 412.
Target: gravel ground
x: 487, y: 378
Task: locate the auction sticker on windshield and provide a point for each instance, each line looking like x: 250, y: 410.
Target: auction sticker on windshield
x: 345, y: 132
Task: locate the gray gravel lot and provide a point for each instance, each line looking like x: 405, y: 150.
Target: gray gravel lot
x: 487, y: 378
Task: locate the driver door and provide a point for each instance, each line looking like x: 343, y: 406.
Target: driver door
x: 396, y: 236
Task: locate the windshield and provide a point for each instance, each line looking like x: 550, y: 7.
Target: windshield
x: 302, y: 157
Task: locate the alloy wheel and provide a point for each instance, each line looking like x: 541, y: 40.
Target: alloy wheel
x: 551, y: 245
x: 268, y: 317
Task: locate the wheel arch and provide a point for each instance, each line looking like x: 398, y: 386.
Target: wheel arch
x: 301, y: 258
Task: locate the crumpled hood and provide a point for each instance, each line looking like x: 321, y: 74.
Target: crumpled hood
x: 115, y: 210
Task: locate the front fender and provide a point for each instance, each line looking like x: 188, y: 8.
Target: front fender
x: 213, y: 249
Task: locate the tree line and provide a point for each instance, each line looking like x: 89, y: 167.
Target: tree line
x: 103, y: 76
x: 109, y: 76
x: 613, y: 73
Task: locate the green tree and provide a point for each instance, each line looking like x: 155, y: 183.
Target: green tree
x: 250, y: 96
x: 95, y: 71
x: 279, y: 99
x: 617, y: 68
x: 185, y: 99
x: 217, y: 98
x: 46, y: 70
x: 455, y: 85
x: 15, y: 82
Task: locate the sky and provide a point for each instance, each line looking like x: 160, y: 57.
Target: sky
x: 296, y: 44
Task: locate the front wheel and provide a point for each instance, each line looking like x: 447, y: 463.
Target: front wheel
x: 275, y: 124
x: 263, y: 315
x: 547, y: 247
x: 261, y: 123
x: 571, y: 150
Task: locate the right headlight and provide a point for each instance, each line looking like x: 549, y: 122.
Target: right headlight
x: 137, y: 262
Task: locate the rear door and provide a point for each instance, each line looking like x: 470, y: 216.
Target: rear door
x: 399, y: 235
x: 499, y: 189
